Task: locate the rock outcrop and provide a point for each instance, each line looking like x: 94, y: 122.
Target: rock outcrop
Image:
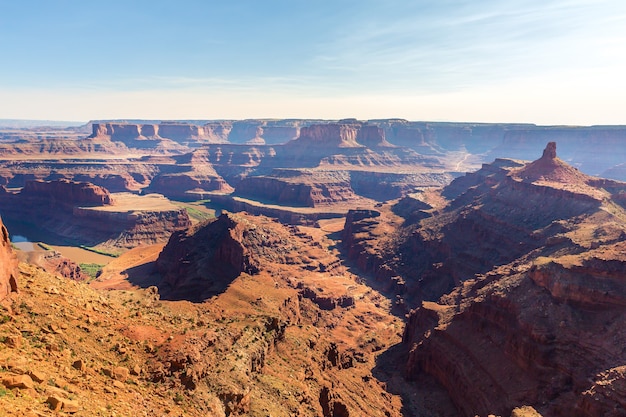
x: 193, y: 172
x: 548, y: 336
x: 203, y: 260
x: 8, y: 265
x: 299, y: 188
x: 144, y: 136
x: 333, y: 135
x: 506, y: 212
x: 520, y: 288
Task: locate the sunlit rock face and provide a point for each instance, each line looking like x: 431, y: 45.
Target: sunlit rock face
x: 8, y: 265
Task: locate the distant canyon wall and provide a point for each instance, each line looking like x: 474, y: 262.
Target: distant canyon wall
x: 237, y: 132
x: 593, y: 149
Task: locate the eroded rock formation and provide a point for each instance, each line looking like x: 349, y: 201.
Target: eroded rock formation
x: 8, y: 265
x: 203, y: 260
x: 523, y: 273
x: 89, y: 215
x: 546, y: 336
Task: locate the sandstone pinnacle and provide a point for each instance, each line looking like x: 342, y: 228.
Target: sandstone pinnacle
x: 550, y: 151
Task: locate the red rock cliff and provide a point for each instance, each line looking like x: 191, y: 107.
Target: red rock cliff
x: 68, y: 193
x: 547, y: 337
x: 330, y: 135
x: 8, y: 265
x: 203, y: 260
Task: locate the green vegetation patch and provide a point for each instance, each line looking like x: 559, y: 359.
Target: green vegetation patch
x: 198, y: 214
x: 91, y: 269
x: 100, y: 251
x: 44, y: 246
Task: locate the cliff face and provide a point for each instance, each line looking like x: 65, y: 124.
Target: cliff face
x: 313, y: 188
x: 8, y: 265
x: 193, y: 172
x: 299, y: 188
x: 202, y: 261
x: 68, y: 193
x: 145, y: 136
x: 124, y: 228
x: 330, y: 135
x: 89, y: 215
x: 520, y: 288
x: 548, y: 336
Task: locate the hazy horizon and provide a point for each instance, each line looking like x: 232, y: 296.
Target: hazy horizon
x: 554, y: 62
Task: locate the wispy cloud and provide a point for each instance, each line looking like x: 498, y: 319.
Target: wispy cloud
x: 473, y: 43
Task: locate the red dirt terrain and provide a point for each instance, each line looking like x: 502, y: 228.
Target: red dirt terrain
x: 501, y: 294
x: 288, y: 331
x: 8, y: 266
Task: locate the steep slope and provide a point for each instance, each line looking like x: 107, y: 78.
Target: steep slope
x: 284, y: 340
x: 546, y: 335
x: 8, y: 266
x: 519, y: 283
x: 286, y: 329
x: 502, y: 212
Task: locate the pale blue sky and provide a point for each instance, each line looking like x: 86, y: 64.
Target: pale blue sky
x: 541, y: 61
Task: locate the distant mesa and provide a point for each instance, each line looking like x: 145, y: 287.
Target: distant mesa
x: 341, y: 135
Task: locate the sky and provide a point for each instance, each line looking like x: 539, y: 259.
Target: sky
x: 532, y: 61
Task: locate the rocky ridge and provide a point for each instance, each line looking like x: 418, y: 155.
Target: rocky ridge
x: 519, y: 287
x: 8, y: 266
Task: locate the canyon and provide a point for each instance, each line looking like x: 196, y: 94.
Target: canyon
x: 514, y: 290
x: 311, y: 267
x: 89, y: 215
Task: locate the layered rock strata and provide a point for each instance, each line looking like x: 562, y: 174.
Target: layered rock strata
x: 202, y: 261
x: 90, y: 215
x: 548, y: 336
x: 520, y: 290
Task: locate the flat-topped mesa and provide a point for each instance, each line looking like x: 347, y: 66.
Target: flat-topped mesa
x: 331, y: 134
x: 8, y: 265
x: 122, y: 131
x: 183, y: 131
x: 68, y: 192
x: 372, y: 137
x: 146, y: 135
